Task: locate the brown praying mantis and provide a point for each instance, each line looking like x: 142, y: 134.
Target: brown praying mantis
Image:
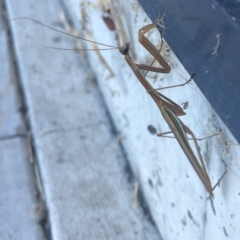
x: 169, y: 109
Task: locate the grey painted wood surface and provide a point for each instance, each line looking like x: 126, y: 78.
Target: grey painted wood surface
x: 178, y: 200
x: 19, y: 216
x: 82, y: 167
x: 11, y: 122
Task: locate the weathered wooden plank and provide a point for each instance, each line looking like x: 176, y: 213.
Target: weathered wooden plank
x: 19, y: 215
x: 19, y: 218
x: 50, y: 78
x: 11, y: 122
x: 87, y: 191
x: 82, y: 168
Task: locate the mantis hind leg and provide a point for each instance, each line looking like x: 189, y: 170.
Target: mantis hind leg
x: 198, y: 139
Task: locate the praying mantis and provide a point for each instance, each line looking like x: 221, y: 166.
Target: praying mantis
x: 169, y: 109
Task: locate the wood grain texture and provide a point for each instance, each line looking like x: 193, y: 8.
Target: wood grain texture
x: 82, y: 167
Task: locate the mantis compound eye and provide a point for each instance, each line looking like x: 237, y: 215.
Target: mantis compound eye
x: 125, y: 48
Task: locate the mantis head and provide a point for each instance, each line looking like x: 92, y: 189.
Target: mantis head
x: 125, y: 48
